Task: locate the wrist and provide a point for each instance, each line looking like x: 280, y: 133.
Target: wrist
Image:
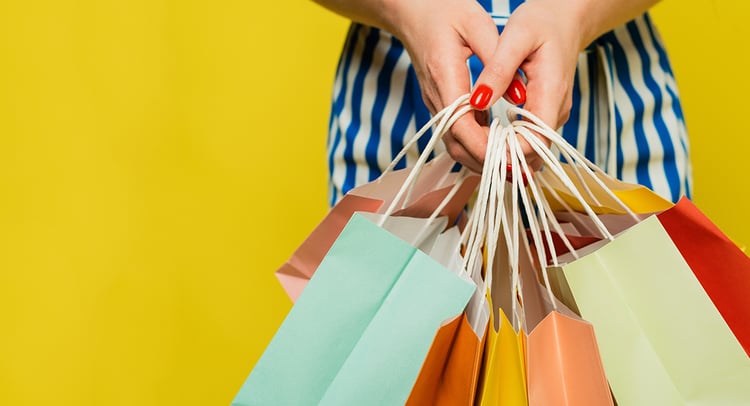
x: 391, y: 15
x: 591, y: 25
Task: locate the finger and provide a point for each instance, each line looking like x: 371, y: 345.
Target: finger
x: 450, y: 73
x: 471, y: 136
x: 549, y: 101
x: 501, y: 68
x: 549, y: 96
x: 480, y: 33
x: 467, y: 140
x: 444, y: 77
x: 516, y: 92
x: 467, y: 143
x: 482, y: 117
x: 461, y: 155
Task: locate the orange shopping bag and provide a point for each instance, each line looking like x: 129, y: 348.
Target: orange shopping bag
x: 450, y: 373
x: 559, y: 358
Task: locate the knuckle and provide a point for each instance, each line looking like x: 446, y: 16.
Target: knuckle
x: 435, y: 69
x: 564, y: 117
x: 565, y: 110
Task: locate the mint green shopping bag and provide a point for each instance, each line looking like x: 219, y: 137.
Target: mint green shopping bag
x: 360, y: 331
x: 662, y: 340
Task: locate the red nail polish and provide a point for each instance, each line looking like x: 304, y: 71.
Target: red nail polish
x: 481, y: 97
x: 509, y: 176
x: 516, y: 92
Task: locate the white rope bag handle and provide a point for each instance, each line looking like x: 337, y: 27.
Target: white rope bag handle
x: 541, y: 221
x: 544, y: 216
x: 581, y: 166
x: 444, y: 119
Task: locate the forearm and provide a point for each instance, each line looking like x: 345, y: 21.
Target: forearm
x: 375, y: 13
x: 601, y: 16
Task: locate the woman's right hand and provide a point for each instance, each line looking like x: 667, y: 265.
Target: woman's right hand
x: 439, y: 36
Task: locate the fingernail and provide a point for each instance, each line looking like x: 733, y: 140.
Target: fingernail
x: 516, y: 92
x: 509, y: 176
x: 481, y: 97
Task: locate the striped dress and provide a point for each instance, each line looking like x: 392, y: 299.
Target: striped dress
x: 626, y: 115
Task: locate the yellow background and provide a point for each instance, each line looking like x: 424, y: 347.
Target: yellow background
x: 159, y: 159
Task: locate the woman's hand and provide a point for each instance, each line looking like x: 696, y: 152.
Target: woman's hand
x: 542, y: 37
x: 440, y: 35
x: 544, y: 40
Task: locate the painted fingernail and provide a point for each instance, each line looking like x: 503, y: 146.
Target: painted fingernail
x: 516, y: 92
x: 509, y: 176
x: 481, y: 97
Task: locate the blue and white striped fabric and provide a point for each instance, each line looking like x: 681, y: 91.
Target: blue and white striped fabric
x: 626, y: 114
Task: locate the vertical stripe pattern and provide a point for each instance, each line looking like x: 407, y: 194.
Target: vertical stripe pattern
x: 626, y: 114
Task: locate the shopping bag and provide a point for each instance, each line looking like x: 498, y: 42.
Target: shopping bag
x: 433, y: 185
x: 585, y: 227
x: 458, y: 358
x: 637, y: 198
x: 662, y: 340
x: 557, y: 363
x: 451, y: 369
x: 428, y: 184
x: 722, y: 269
x: 719, y: 265
x: 359, y: 332
x: 563, y: 363
x: 549, y: 356
x: 450, y: 373
x: 503, y: 377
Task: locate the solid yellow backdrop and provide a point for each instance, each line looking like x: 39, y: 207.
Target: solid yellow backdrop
x: 159, y: 159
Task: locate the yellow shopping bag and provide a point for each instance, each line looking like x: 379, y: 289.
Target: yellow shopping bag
x: 503, y: 377
x: 636, y: 197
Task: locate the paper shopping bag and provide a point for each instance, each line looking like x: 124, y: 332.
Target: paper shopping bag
x: 451, y: 369
x: 563, y: 362
x: 722, y: 269
x: 503, y: 377
x: 576, y: 240
x: 562, y: 359
x: 450, y: 373
x: 720, y: 266
x: 638, y: 198
x: 662, y: 340
x: 432, y: 186
x: 360, y: 331
x: 584, y: 225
